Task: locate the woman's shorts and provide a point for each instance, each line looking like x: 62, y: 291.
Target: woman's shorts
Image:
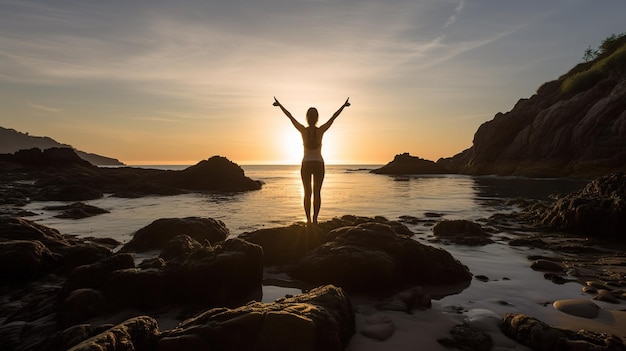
x: 315, y: 168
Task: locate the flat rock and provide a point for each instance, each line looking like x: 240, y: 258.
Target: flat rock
x: 578, y: 307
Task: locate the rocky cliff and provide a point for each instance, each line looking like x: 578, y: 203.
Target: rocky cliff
x: 573, y: 126
x: 12, y: 141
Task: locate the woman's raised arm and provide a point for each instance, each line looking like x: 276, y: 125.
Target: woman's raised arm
x: 295, y: 123
x: 324, y: 127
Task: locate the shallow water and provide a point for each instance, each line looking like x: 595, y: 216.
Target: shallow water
x: 512, y: 285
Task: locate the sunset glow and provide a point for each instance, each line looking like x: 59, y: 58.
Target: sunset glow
x: 178, y: 82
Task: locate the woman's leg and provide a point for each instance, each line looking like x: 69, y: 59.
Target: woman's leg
x: 305, y: 173
x: 318, y: 179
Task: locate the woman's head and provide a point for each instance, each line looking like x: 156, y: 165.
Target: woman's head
x: 312, y: 116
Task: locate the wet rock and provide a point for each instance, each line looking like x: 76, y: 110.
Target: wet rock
x: 321, y: 319
x: 547, y: 266
x: 371, y: 256
x: 406, y: 301
x: 578, y: 307
x: 180, y: 245
x: 283, y: 245
x: 158, y: 233
x: 23, y: 229
x: 82, y: 254
x: 215, y: 173
x: 139, y: 333
x: 606, y: 296
x: 22, y: 260
x: 407, y: 164
x: 76, y: 210
x: 462, y: 232
x: 95, y: 275
x: 538, y: 335
x: 467, y: 338
x: 599, y: 209
x: 81, y: 305
x: 227, y: 274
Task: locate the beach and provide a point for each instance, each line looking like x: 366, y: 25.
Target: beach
x: 503, y: 281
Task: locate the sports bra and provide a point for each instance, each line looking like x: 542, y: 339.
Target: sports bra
x: 310, y: 140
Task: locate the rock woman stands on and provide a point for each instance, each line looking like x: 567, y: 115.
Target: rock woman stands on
x: 312, y: 162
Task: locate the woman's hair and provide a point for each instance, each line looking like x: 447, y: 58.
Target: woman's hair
x: 311, y: 116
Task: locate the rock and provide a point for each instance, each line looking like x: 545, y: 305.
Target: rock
x: 578, y: 307
x: 95, y: 275
x: 81, y: 305
x: 538, y: 335
x: 547, y: 266
x: 285, y: 244
x: 158, y: 233
x: 216, y: 173
x: 321, y: 319
x: 23, y: 229
x: 465, y: 337
x: 406, y: 301
x: 77, y: 210
x: 606, y: 296
x: 139, y: 333
x: 22, y: 260
x: 74, y: 335
x: 556, y: 132
x: 227, y: 274
x: 407, y: 164
x: 371, y: 256
x: 82, y: 254
x: 462, y: 232
x: 180, y: 245
x: 599, y: 209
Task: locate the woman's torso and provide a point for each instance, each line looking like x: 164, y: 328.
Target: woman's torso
x: 312, y: 141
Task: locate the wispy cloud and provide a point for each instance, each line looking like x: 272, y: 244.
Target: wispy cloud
x: 457, y: 11
x: 43, y: 107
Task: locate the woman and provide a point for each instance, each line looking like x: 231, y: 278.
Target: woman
x: 312, y: 162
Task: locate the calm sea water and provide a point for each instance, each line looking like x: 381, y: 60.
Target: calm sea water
x: 346, y: 190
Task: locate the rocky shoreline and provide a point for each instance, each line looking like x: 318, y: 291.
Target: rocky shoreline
x: 366, y: 283
x: 59, y: 291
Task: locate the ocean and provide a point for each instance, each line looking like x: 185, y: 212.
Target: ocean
x: 347, y: 189
x: 351, y: 189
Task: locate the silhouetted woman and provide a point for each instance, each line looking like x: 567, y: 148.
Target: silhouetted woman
x: 312, y: 162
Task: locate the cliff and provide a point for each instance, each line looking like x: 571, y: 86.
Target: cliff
x: 12, y: 141
x: 573, y: 126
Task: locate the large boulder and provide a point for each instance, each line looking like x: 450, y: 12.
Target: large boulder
x: 158, y: 233
x: 282, y: 245
x: 372, y: 256
x: 599, y: 209
x: 23, y: 229
x: 407, y: 164
x: 227, y: 274
x: 24, y: 260
x: 321, y: 319
x: 538, y: 335
x: 216, y: 173
x: 135, y: 334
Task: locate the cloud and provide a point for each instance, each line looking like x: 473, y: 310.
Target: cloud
x: 44, y: 108
x: 457, y: 11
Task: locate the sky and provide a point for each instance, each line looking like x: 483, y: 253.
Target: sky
x: 176, y: 82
